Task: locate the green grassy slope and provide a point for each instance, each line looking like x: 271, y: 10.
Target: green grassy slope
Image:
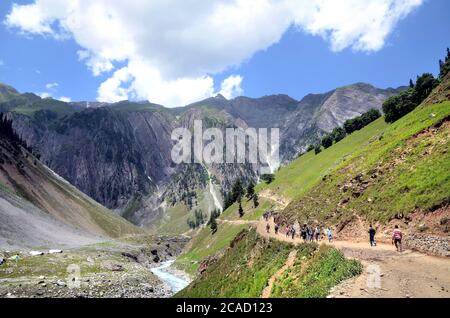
x: 56, y: 106
x: 7, y: 93
x: 205, y: 244
x: 245, y: 269
x: 314, y: 273
x: 403, y: 171
x: 299, y: 176
x: 296, y: 178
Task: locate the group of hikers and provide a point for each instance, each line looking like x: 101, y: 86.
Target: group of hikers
x: 306, y: 232
x: 397, y: 236
x: 317, y: 233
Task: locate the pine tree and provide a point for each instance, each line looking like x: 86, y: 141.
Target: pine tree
x: 327, y: 141
x: 444, y: 66
x: 255, y: 201
x: 237, y: 191
x: 213, y: 225
x: 250, y: 190
x: 411, y: 83
x: 241, y: 210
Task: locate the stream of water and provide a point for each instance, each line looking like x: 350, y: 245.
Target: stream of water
x: 175, y: 282
x: 212, y: 190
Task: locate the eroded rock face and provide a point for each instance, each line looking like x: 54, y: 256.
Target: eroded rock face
x: 120, y: 154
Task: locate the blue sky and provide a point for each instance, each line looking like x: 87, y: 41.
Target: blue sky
x: 297, y: 64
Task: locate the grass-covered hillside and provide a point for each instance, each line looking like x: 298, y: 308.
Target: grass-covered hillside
x: 403, y: 170
x: 296, y: 178
x: 291, y: 182
x: 314, y: 272
x: 205, y: 244
x: 379, y: 172
x: 253, y: 267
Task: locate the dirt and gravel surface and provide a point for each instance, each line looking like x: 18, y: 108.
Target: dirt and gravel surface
x: 109, y: 269
x: 387, y: 273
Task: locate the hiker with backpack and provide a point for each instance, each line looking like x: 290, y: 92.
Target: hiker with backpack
x: 397, y: 238
x: 372, y: 236
x: 276, y: 229
x: 329, y: 234
x: 268, y: 228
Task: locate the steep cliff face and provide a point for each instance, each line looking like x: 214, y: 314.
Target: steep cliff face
x: 94, y: 149
x: 120, y: 154
x: 38, y: 207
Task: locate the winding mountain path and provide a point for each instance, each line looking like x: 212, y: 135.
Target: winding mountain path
x: 387, y: 273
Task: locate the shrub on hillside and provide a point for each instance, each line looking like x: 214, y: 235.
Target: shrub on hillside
x: 338, y: 134
x: 398, y: 106
x: 327, y: 141
x: 350, y: 126
x: 444, y: 66
x: 317, y: 149
x: 268, y: 178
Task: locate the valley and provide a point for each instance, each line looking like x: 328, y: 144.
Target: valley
x: 382, y: 174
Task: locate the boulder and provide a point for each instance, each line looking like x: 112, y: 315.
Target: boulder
x: 112, y: 266
x: 129, y: 255
x: 36, y: 253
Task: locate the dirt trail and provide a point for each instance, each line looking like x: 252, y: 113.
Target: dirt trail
x: 239, y: 222
x: 281, y: 201
x: 289, y: 262
x: 387, y: 273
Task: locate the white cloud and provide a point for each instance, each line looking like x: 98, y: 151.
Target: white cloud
x: 169, y: 49
x: 231, y: 87
x: 64, y: 99
x: 51, y: 85
x: 49, y: 95
x: 44, y: 95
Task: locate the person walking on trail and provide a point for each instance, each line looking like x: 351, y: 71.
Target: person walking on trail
x: 303, y: 233
x: 372, y: 236
x: 268, y: 228
x: 313, y: 234
x: 397, y: 238
x: 317, y: 233
x: 276, y: 229
x: 293, y: 233
x: 329, y: 234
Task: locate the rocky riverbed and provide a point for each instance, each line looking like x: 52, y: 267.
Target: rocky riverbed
x: 110, y: 269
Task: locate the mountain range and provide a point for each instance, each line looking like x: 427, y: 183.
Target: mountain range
x: 120, y: 154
